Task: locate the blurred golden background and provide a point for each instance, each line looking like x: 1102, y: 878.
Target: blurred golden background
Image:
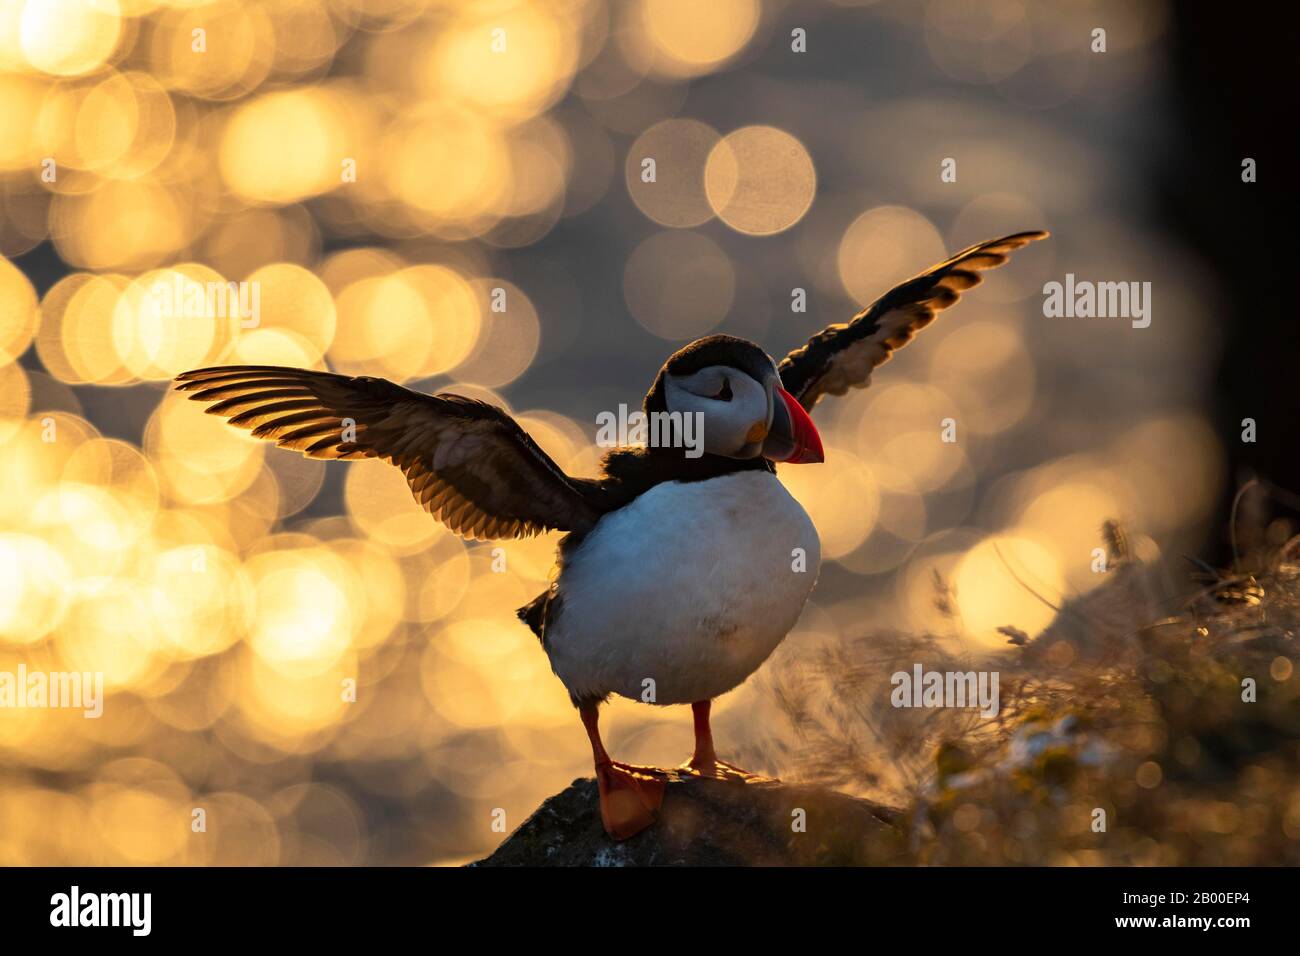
x: 382, y: 172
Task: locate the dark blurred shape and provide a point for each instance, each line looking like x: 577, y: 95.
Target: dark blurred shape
x: 1233, y: 77
x: 711, y: 823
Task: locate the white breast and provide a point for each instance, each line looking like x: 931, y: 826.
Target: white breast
x: 691, y: 586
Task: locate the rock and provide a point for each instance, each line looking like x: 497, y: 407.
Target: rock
x: 707, y: 822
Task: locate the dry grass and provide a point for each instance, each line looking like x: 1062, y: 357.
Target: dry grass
x: 1114, y: 709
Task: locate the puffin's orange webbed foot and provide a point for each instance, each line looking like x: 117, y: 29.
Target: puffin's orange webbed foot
x: 721, y: 770
x: 629, y: 801
x: 704, y: 762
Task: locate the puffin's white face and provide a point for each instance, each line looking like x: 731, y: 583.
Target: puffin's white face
x: 744, y: 417
x: 735, y: 410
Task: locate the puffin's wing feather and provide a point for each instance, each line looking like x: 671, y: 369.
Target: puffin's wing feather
x: 468, y: 463
x: 843, y: 356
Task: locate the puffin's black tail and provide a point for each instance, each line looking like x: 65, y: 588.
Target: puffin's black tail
x: 534, y: 614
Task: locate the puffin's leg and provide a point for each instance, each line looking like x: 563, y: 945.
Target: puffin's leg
x: 628, y: 800
x: 704, y: 761
x: 705, y: 758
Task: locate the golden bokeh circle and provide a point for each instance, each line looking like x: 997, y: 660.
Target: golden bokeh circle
x: 87, y: 332
x: 123, y: 224
x: 18, y: 312
x: 679, y: 149
x: 902, y: 426
x: 22, y: 100
x: 509, y: 335
x: 510, y: 62
x: 302, y: 621
x: 34, y: 588
x: 274, y: 347
x: 989, y: 372
x: 200, y: 459
x: 69, y: 37
x: 15, y: 399
x: 760, y: 180
x: 687, y: 38
x: 884, y: 246
x: 219, y: 50
x: 285, y: 146
x: 452, y: 304
x: 996, y: 582
x: 384, y: 329
x: 381, y: 505
x: 171, y: 320
x: 841, y: 496
x: 291, y: 297
x: 446, y: 163
x: 49, y: 338
x: 679, y: 285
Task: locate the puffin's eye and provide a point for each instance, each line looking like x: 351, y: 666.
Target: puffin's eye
x: 725, y: 394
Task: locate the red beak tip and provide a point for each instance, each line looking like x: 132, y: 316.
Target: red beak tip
x: 808, y: 443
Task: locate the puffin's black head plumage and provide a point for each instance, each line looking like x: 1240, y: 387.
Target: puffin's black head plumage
x: 728, y: 350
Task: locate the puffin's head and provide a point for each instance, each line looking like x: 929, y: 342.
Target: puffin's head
x: 736, y: 390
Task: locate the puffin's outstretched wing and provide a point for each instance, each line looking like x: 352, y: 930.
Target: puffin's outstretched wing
x: 843, y: 356
x: 468, y: 463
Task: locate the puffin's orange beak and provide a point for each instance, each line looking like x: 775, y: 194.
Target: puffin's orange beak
x: 793, y: 438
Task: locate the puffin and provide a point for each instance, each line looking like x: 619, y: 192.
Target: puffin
x: 680, y: 568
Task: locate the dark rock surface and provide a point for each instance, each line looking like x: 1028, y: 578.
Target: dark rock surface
x: 706, y: 822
